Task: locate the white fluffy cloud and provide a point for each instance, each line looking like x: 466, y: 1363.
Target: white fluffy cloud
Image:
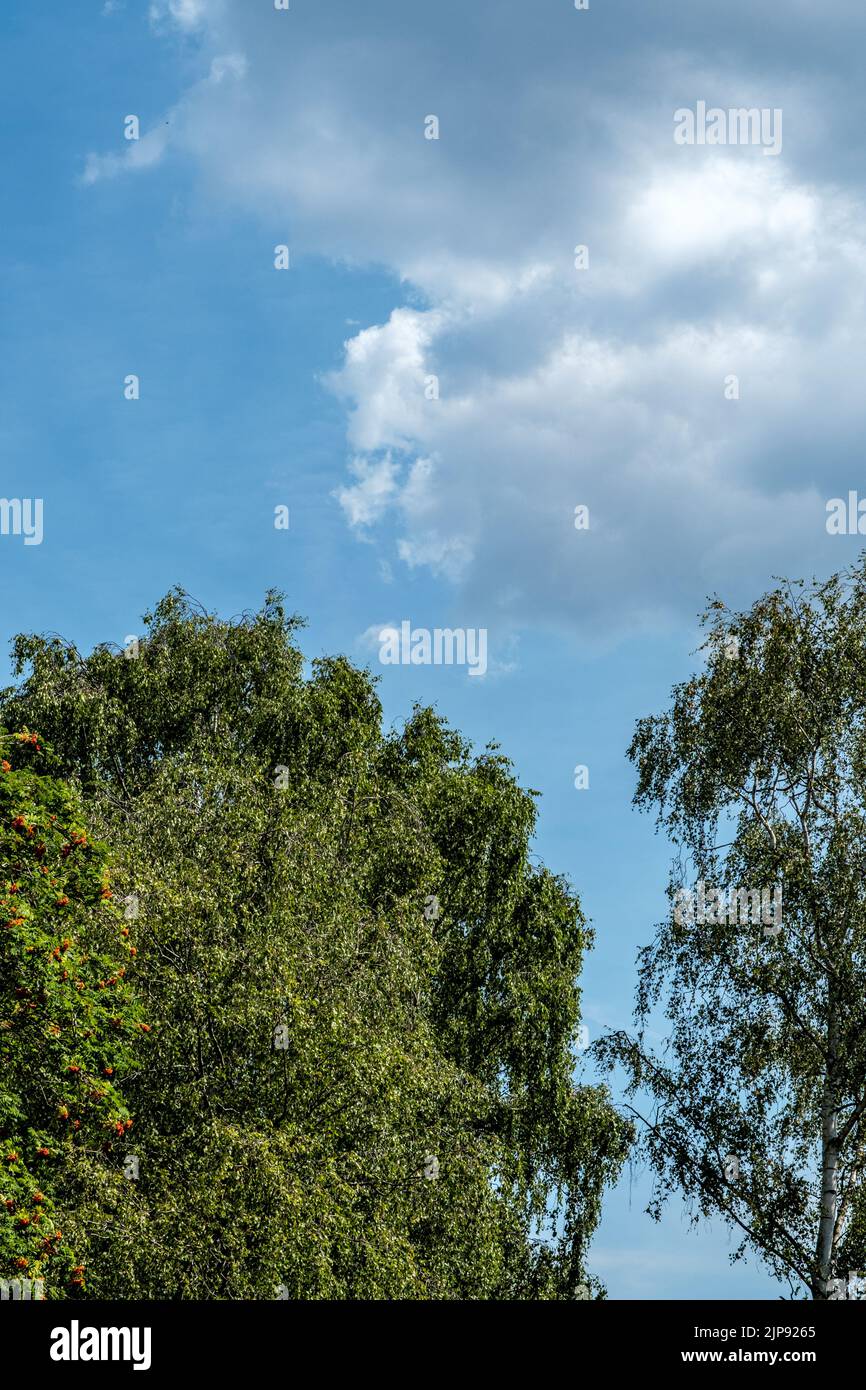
x: 557, y: 386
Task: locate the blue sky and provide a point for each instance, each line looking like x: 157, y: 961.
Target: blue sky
x: 454, y: 257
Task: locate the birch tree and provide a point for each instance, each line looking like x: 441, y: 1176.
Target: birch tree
x: 363, y: 992
x: 755, y: 1104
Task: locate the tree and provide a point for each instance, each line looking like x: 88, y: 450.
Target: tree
x: 70, y: 1031
x: 757, y: 773
x: 363, y: 993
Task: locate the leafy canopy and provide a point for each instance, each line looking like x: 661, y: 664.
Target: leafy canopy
x: 757, y: 1104
x: 70, y: 1029
x: 363, y: 993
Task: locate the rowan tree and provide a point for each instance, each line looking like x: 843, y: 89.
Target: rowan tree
x: 70, y: 1030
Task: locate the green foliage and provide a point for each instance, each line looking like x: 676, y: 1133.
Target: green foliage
x: 69, y: 1025
x: 757, y: 772
x: 363, y: 994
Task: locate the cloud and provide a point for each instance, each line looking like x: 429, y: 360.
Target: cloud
x: 370, y: 640
x: 686, y: 489
x: 148, y: 151
x: 384, y: 378
x: 186, y: 15
x: 366, y: 501
x: 143, y: 153
x: 608, y: 387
